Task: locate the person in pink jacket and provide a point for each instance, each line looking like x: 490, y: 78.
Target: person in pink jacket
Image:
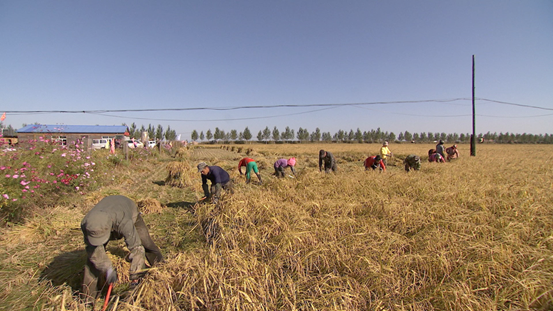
x: 281, y: 164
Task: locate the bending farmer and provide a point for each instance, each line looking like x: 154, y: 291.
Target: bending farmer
x: 113, y: 218
x: 219, y: 178
x: 250, y: 165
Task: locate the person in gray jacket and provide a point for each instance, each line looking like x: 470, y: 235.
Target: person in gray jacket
x: 113, y: 218
x: 329, y: 162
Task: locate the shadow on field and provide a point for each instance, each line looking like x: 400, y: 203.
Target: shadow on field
x: 185, y: 205
x: 66, y: 268
x: 159, y: 182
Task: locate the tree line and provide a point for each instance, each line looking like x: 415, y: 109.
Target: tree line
x: 358, y: 136
x: 157, y: 133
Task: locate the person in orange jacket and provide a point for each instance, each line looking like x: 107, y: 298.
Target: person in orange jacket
x: 375, y: 162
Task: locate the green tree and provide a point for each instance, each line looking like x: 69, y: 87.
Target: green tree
x: 266, y: 133
x: 408, y: 136
x: 159, y: 132
x: 170, y: 134
x: 247, y: 134
x: 288, y: 134
x: 233, y: 134
x: 391, y: 136
x: 276, y: 134
x: 260, y: 136
x: 151, y: 131
x: 316, y: 136
x: 358, y: 136
x: 194, y: 135
x: 202, y: 136
x: 217, y: 134
x: 208, y: 134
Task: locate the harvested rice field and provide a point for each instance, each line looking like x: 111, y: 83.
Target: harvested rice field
x: 475, y: 233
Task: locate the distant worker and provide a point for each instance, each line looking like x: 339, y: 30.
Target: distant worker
x: 412, y: 162
x: 329, y: 162
x: 440, y: 149
x: 433, y: 156
x: 281, y: 164
x: 452, y: 152
x: 219, y: 178
x: 375, y: 162
x: 250, y: 165
x: 113, y: 218
x: 385, y: 152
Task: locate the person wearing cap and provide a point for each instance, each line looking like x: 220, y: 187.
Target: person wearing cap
x: 281, y: 164
x: 329, y: 162
x: 440, y: 149
x: 385, y: 152
x: 113, y: 218
x: 219, y: 178
x: 375, y: 162
x: 452, y: 152
x: 412, y: 162
x: 250, y: 165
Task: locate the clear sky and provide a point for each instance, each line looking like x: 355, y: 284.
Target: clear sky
x: 113, y: 55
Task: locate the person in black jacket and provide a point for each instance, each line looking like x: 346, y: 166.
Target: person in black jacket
x: 219, y: 178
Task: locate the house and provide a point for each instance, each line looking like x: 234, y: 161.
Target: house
x: 70, y: 133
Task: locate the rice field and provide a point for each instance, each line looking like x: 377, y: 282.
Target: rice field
x: 472, y: 234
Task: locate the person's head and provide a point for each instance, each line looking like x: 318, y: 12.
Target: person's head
x: 441, y: 142
x: 377, y: 158
x: 291, y: 161
x: 385, y: 143
x: 431, y: 151
x: 97, y: 229
x: 203, y: 168
x: 322, y: 153
x: 454, y: 146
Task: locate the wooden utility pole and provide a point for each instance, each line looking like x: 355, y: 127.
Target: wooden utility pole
x: 473, y: 136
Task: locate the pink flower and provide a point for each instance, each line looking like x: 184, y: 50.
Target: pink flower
x: 25, y: 183
x: 15, y: 176
x: 14, y: 200
x: 63, y: 154
x: 7, y: 197
x: 2, y: 167
x: 8, y: 175
x: 77, y: 188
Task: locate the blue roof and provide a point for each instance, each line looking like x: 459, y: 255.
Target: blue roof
x: 91, y: 129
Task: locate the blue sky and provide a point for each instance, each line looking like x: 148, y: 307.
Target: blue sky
x: 117, y: 55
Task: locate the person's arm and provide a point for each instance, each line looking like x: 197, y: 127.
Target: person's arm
x: 293, y: 170
x: 320, y: 163
x: 382, y: 165
x: 240, y: 167
x: 205, y: 187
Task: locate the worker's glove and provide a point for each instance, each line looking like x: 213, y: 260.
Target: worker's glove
x: 111, y: 276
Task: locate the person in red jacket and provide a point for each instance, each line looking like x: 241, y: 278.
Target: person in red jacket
x: 250, y: 165
x: 375, y: 162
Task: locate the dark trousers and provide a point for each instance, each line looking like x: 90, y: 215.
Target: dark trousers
x: 94, y: 280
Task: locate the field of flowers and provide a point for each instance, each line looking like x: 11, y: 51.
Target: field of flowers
x: 471, y: 234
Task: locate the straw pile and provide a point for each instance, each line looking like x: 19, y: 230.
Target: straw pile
x: 179, y: 174
x: 149, y: 206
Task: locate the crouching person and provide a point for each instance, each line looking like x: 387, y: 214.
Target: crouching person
x: 219, y: 178
x: 412, y: 162
x: 113, y: 218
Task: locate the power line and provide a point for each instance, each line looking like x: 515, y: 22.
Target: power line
x: 239, y: 107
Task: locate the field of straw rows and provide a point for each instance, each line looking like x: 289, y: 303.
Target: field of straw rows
x: 472, y: 234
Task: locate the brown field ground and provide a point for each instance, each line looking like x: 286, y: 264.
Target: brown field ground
x: 472, y: 234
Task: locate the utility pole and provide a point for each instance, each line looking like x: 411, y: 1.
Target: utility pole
x: 473, y: 136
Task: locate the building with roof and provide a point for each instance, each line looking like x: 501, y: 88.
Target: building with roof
x: 70, y: 133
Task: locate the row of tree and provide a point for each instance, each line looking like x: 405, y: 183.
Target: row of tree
x: 372, y: 136
x: 153, y: 132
